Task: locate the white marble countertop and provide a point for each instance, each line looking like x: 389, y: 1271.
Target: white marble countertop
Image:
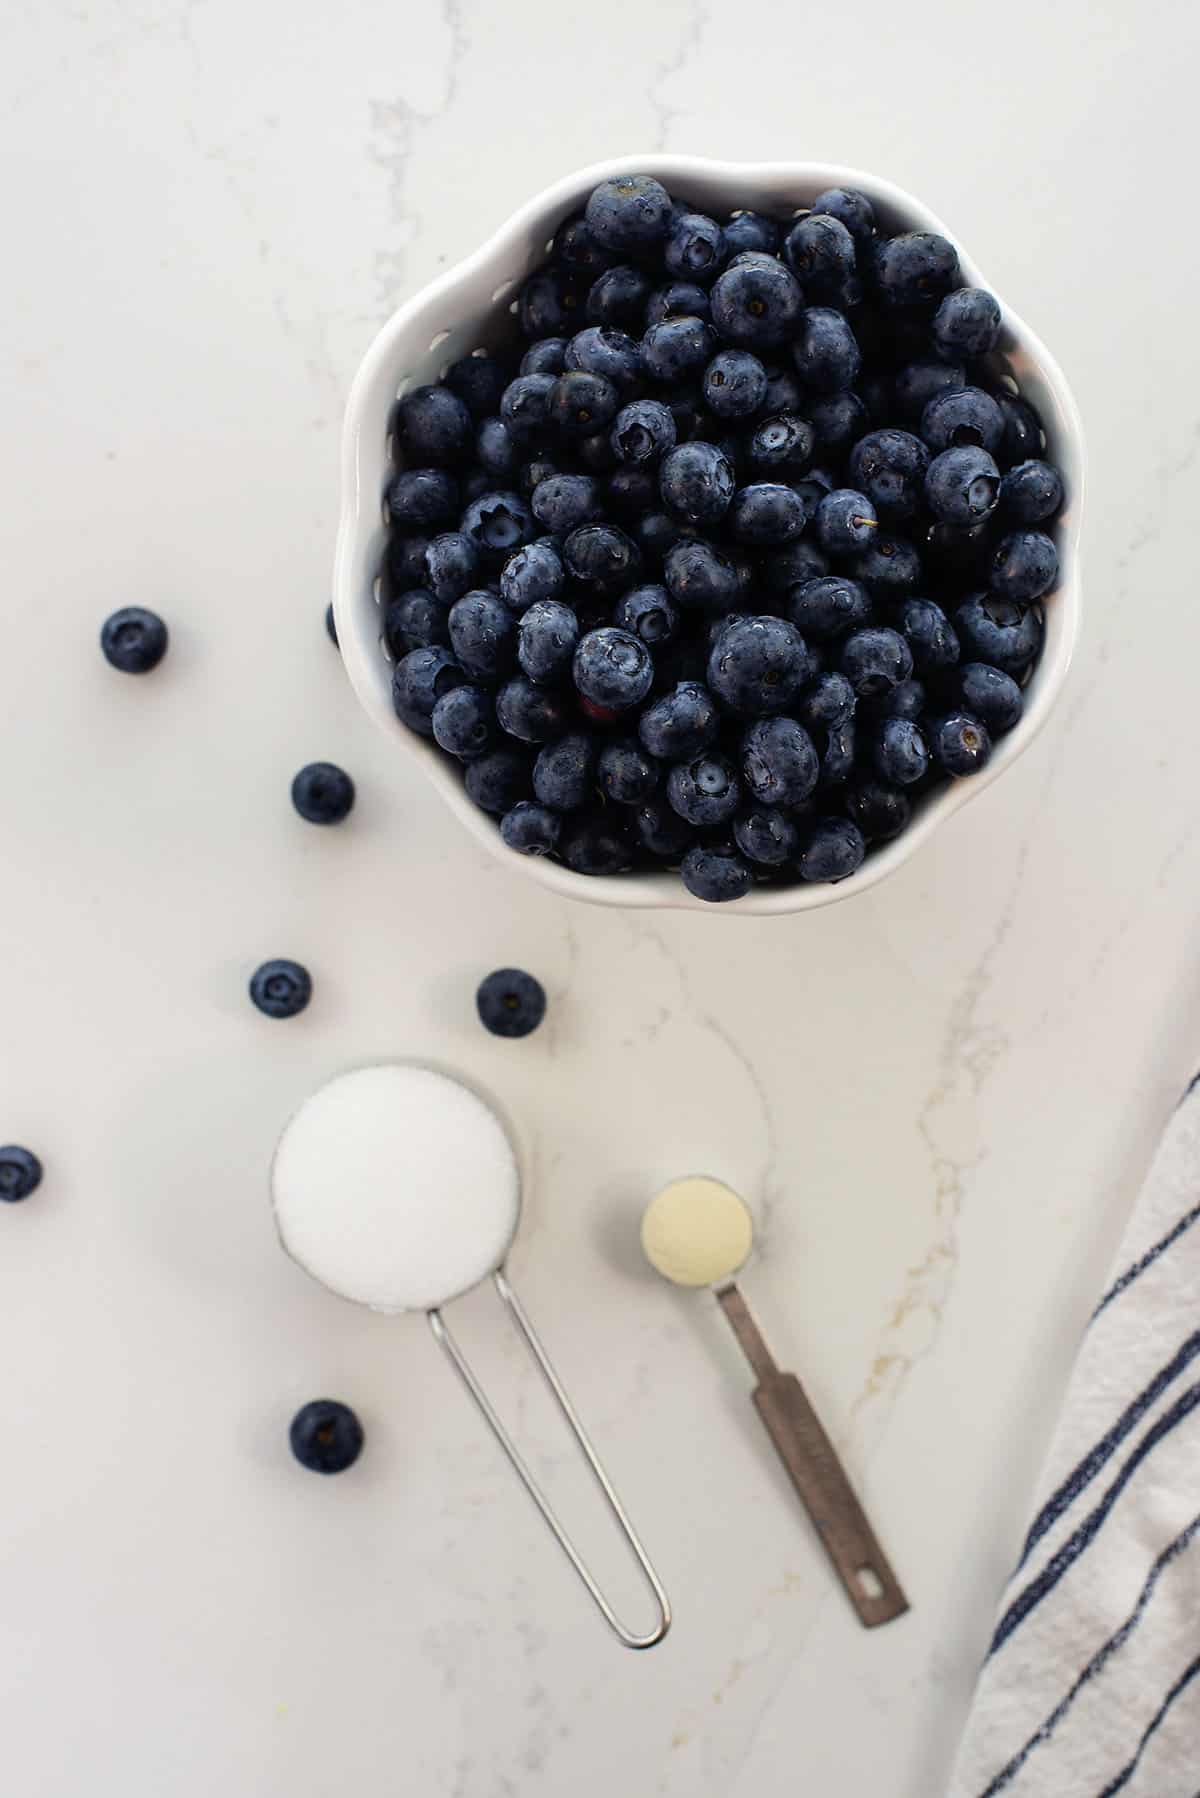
x: 942, y: 1094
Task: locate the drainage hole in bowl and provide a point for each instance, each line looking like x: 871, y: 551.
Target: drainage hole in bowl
x: 436, y: 342
x: 502, y: 292
x: 403, y: 385
x: 384, y: 650
x: 377, y: 590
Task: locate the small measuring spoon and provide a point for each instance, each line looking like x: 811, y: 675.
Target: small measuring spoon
x: 397, y: 1187
x: 698, y: 1232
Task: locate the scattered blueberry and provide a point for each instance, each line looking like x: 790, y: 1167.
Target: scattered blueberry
x: 326, y: 1436
x: 134, y: 640
x: 323, y: 793
x: 281, y: 988
x: 20, y: 1173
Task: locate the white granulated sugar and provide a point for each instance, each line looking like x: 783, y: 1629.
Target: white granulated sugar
x: 396, y: 1187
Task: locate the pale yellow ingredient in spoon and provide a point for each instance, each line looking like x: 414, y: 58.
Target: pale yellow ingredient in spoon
x: 697, y: 1231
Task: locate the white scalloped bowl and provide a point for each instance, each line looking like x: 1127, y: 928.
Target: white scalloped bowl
x: 467, y: 309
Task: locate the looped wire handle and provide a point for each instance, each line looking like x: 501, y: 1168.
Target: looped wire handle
x: 462, y: 1368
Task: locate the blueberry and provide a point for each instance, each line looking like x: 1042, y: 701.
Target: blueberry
x: 783, y: 391
x: 643, y: 432
x: 576, y: 248
x: 700, y: 577
x: 766, y: 835
x: 496, y: 449
x: 546, y: 638
x: 1023, y: 433
x: 331, y: 626
x: 582, y: 403
x: 627, y: 775
x: 838, y: 420
x: 962, y: 486
x: 661, y: 831
x: 594, y: 454
x: 686, y: 404
x: 846, y: 522
x: 497, y: 781
x: 782, y: 445
x: 680, y: 299
x: 716, y: 873
x: 534, y: 573
x: 632, y: 491
x: 907, y: 699
x: 914, y: 269
x: 525, y: 405
x: 758, y: 665
x: 962, y: 418
x: 875, y: 660
x: 697, y: 481
x: 820, y: 252
x: 326, y: 1436
x: 548, y: 356
x: 959, y: 554
x: 837, y: 762
x: 323, y: 793
x: 613, y: 668
x: 419, y: 681
x: 20, y: 1173
x: 658, y: 532
x: 960, y: 744
x: 999, y: 631
x: 433, y: 427
x: 850, y: 208
x: 451, y: 562
x: 423, y: 499
x: 629, y: 212
x: 967, y: 323
x: 134, y: 640
x: 1024, y: 567
x: 464, y: 722
x: 779, y: 762
x: 680, y: 724
x: 695, y: 247
x: 929, y: 634
x: 604, y: 350
x: 825, y: 352
x: 919, y: 382
x: 564, y: 773
x: 475, y: 483
x: 991, y: 696
x: 735, y: 384
x: 1031, y: 492
x: 281, y: 988
x: 597, y: 846
x: 750, y: 231
x: 563, y: 502
x: 827, y: 704
x: 531, y: 829
x: 483, y: 634
x: 889, y: 567
x: 549, y: 303
x: 510, y: 1002
x: 880, y: 811
x: 889, y: 467
x: 828, y: 607
x: 478, y: 381
x: 618, y: 297
x: 647, y: 612
x: 497, y: 524
x: 602, y: 556
x: 835, y: 849
x: 677, y: 349
x: 767, y: 514
x: 756, y: 303
x: 528, y: 712
x: 901, y: 753
x: 705, y: 790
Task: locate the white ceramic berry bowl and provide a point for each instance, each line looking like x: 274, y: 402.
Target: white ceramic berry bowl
x: 467, y: 309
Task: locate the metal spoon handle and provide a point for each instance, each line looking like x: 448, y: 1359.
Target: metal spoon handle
x: 817, y: 1474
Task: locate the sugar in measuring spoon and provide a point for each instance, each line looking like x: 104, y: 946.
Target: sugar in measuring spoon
x: 698, y: 1232
x: 398, y: 1187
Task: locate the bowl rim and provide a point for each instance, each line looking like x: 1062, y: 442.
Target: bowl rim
x: 359, y: 519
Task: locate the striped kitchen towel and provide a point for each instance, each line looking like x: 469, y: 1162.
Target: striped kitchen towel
x: 1092, y: 1680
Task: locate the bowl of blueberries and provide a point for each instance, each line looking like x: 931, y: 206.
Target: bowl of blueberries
x: 710, y: 534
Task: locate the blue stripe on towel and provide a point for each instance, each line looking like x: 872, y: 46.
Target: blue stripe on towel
x: 1126, y: 1774
x: 1096, y: 1665
x: 1148, y: 1259
x: 1048, y: 1578
x: 1094, y: 1460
